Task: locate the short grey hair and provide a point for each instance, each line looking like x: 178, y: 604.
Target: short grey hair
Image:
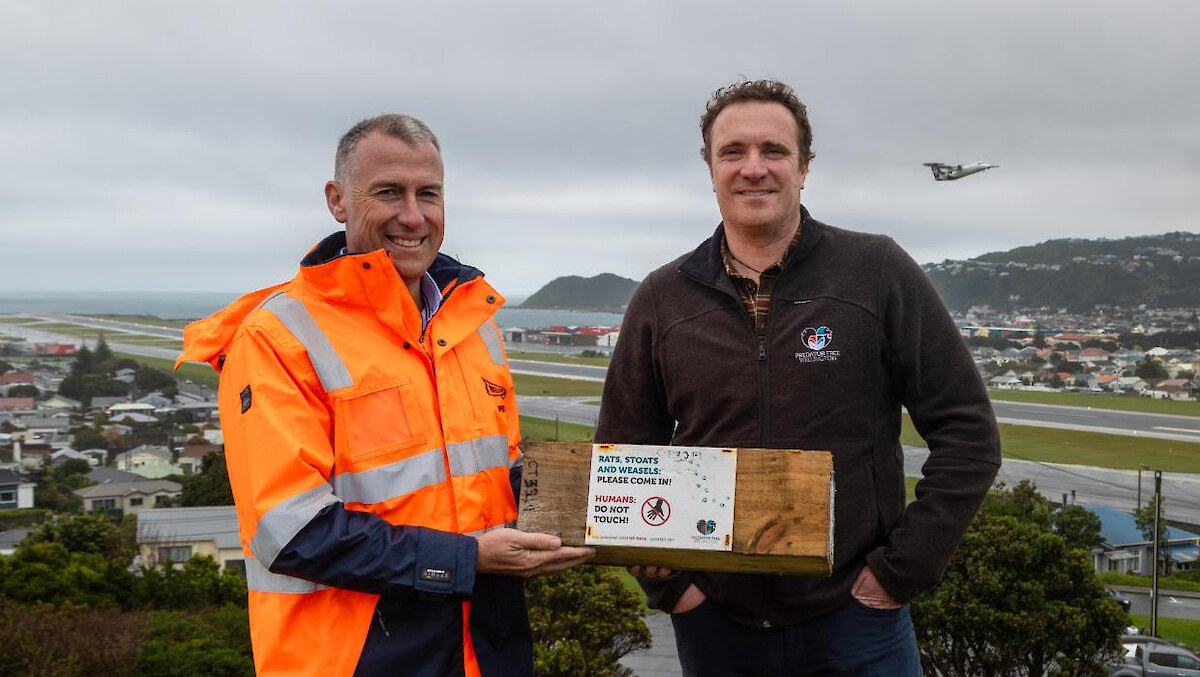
x: 396, y: 125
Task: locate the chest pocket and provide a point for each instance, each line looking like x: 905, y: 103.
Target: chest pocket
x: 379, y: 422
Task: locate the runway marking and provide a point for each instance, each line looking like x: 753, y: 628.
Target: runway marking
x: 1178, y: 430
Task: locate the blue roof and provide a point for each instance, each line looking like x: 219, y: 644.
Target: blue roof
x: 1117, y: 527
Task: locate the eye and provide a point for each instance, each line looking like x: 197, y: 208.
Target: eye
x: 387, y: 192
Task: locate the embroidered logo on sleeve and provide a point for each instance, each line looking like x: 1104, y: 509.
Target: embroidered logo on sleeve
x: 435, y: 575
x: 245, y: 394
x: 816, y: 341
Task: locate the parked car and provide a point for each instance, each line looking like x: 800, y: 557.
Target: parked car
x: 1116, y: 596
x: 1155, y: 658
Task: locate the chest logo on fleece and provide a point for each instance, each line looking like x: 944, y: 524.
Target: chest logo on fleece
x: 816, y: 341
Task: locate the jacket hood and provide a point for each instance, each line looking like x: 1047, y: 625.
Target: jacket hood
x: 208, y: 340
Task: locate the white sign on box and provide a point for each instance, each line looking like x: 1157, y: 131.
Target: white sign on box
x: 661, y: 497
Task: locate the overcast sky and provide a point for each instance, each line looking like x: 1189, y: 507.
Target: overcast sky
x: 184, y: 146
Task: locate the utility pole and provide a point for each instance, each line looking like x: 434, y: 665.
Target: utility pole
x: 1141, y: 467
x: 1154, y: 583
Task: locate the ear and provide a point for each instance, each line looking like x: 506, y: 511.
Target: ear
x: 804, y: 172
x: 333, y: 200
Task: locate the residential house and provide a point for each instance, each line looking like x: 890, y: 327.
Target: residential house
x: 156, y: 400
x: 148, y: 461
x: 15, y: 492
x: 1126, y: 549
x: 67, y: 453
x: 171, y: 535
x: 59, y: 402
x: 133, y: 417
x: 13, y: 378
x: 16, y: 404
x: 103, y: 475
x: 1129, y: 384
x: 192, y: 456
x: 130, y: 407
x: 1093, y: 356
x: 1008, y: 381
x: 107, y: 401
x: 128, y: 497
x: 1172, y: 388
x: 126, y: 375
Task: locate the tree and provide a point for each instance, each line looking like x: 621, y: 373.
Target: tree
x: 1015, y: 600
x: 103, y: 354
x: 1023, y: 502
x: 1143, y: 519
x: 5, y: 367
x: 90, y: 533
x: 90, y: 438
x: 583, y: 621
x: 149, y: 378
x: 24, y: 390
x: 210, y: 486
x: 1079, y: 527
x: 1150, y: 368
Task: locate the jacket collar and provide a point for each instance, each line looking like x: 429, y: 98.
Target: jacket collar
x: 446, y: 271
x: 705, y: 265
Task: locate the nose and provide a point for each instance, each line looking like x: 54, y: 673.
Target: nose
x: 410, y: 215
x: 753, y: 167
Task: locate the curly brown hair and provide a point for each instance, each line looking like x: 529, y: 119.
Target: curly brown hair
x: 770, y: 91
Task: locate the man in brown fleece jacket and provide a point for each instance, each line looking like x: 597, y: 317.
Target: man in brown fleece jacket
x: 782, y: 332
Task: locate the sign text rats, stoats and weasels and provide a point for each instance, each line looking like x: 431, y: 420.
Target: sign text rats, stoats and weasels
x: 661, y: 497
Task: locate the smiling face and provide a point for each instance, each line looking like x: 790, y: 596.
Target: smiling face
x: 392, y: 199
x: 757, y: 169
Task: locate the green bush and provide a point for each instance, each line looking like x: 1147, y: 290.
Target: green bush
x: 67, y: 641
x: 214, y: 643
x: 584, y: 620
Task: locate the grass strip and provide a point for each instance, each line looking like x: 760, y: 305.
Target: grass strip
x: 1182, y: 631
x: 1100, y: 401
x: 558, y: 358
x: 1051, y: 445
x: 1164, y: 582
x: 547, y: 430
x: 557, y: 387
x: 198, y: 373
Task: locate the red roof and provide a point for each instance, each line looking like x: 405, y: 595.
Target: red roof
x: 15, y: 403
x: 16, y: 377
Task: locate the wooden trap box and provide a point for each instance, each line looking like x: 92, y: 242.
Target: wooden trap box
x: 782, y: 512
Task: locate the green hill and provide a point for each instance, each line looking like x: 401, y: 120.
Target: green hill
x: 604, y: 292
x: 1078, y: 275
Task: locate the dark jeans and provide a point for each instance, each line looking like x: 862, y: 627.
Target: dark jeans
x: 852, y: 640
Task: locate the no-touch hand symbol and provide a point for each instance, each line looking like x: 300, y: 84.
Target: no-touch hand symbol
x: 656, y: 511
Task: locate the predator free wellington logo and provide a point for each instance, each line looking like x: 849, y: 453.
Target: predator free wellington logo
x: 816, y: 341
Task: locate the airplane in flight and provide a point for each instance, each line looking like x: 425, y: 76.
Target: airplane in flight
x: 942, y: 172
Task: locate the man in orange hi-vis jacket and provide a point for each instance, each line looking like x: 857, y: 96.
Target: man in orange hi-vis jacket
x: 371, y: 436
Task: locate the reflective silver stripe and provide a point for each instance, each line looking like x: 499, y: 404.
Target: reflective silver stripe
x: 491, y: 338
x: 281, y: 523
x: 510, y: 525
x: 259, y: 578
x: 472, y: 456
x: 394, y: 479
x: 325, y: 361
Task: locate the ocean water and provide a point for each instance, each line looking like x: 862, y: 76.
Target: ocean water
x: 192, y: 305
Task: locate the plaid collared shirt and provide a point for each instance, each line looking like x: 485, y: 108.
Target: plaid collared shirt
x: 756, y: 298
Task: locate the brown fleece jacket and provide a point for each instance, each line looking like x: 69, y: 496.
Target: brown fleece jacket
x: 855, y: 331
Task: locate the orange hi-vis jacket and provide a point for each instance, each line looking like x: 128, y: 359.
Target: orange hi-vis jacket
x: 365, y: 452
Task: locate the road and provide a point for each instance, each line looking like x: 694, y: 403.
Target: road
x: 1169, y: 606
